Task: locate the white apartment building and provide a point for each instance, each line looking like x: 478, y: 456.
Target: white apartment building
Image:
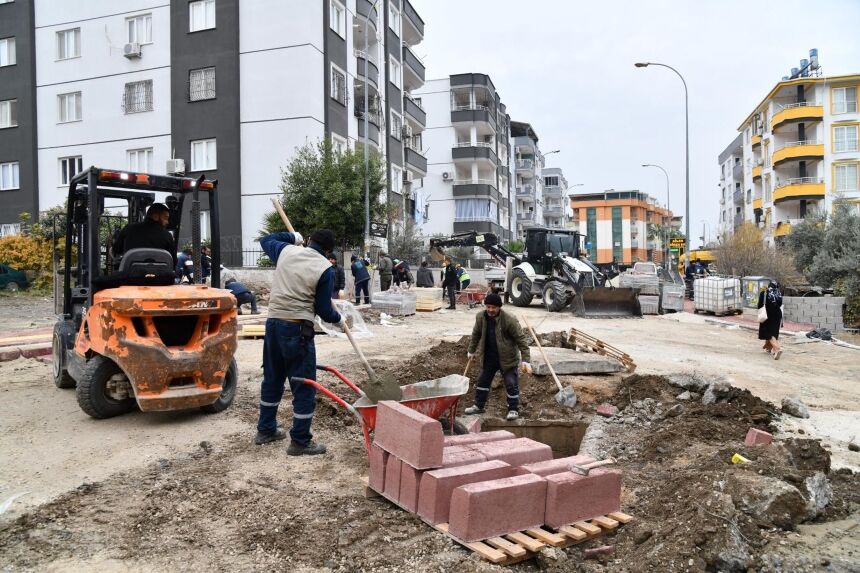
x: 800, y: 150
x: 468, y: 183
x: 528, y: 178
x: 555, y: 203
x: 231, y: 87
x: 733, y: 194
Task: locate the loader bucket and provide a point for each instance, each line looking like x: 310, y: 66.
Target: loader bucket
x: 597, y: 302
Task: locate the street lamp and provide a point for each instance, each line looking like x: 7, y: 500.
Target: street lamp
x: 366, y: 132
x: 687, y: 133
x: 668, y: 208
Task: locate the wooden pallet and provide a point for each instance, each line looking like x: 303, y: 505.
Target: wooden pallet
x: 587, y: 343
x: 712, y: 313
x: 252, y: 331
x: 428, y: 306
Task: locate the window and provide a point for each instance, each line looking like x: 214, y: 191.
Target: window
x: 847, y: 177
x: 8, y: 176
x: 69, y: 107
x: 8, y: 113
x: 845, y: 138
x: 394, y: 19
x: 844, y: 100
x: 338, y: 85
x: 69, y: 167
x: 139, y: 29
x: 337, y: 17
x: 396, y: 125
x: 69, y: 44
x: 394, y: 72
x: 8, y: 229
x: 7, y: 52
x: 203, y: 155
x: 396, y: 178
x: 201, y: 84
x: 137, y: 97
x: 338, y: 143
x: 551, y: 181
x: 139, y: 160
x: 201, y: 15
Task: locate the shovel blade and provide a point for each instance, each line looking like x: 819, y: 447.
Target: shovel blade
x: 566, y: 397
x: 383, y: 387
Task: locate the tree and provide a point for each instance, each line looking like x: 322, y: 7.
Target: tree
x: 324, y: 189
x: 516, y: 246
x: 405, y: 242
x: 745, y: 254
x: 806, y: 240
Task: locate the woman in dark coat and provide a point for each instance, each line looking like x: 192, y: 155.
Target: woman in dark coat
x: 771, y: 300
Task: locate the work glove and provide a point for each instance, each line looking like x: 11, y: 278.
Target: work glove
x: 298, y: 240
x: 525, y: 368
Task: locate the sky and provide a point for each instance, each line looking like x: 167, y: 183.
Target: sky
x: 566, y: 67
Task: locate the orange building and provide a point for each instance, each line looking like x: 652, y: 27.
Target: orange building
x: 625, y: 226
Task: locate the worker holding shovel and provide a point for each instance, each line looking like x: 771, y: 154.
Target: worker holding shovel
x: 499, y: 339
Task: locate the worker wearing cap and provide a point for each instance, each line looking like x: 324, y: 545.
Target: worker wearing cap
x: 500, y: 342
x: 301, y: 289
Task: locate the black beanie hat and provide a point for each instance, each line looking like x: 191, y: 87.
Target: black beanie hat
x: 493, y: 299
x: 324, y: 238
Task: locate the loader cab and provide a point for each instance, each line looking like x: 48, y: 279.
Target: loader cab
x: 543, y: 245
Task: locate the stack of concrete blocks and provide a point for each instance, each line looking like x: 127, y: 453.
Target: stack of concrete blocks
x: 820, y: 311
x: 484, y: 484
x: 649, y: 290
x: 428, y: 299
x: 394, y: 302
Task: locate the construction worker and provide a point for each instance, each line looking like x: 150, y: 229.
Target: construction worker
x: 151, y: 233
x: 500, y: 342
x: 361, y: 278
x: 425, y: 276
x: 301, y: 289
x: 402, y: 273
x: 339, y: 277
x: 185, y: 266
x: 449, y: 283
x: 243, y: 295
x: 386, y: 271
x: 463, y: 277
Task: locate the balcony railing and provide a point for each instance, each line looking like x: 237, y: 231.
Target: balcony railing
x: 525, y: 216
x: 474, y: 182
x: 469, y: 107
x: 525, y: 190
x: 799, y: 143
x: 798, y: 181
x: 797, y: 104
x: 525, y: 164
x: 475, y: 144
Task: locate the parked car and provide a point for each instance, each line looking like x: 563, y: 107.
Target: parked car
x: 11, y: 279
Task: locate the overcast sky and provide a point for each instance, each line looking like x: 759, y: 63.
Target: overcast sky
x: 566, y: 67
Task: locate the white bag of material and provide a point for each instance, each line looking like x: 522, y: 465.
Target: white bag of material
x: 356, y: 323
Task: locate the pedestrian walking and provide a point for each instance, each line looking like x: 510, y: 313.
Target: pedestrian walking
x: 771, y: 299
x: 499, y: 340
x: 386, y: 270
x: 361, y: 278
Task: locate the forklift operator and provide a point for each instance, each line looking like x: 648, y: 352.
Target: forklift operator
x: 151, y: 233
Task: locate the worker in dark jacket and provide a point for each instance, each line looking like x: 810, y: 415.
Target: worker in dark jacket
x: 185, y: 266
x: 402, y: 273
x: 339, y: 277
x: 151, y: 233
x: 500, y: 342
x: 243, y: 295
x: 361, y: 278
x: 449, y: 283
x: 386, y: 271
x: 425, y: 276
x: 301, y: 290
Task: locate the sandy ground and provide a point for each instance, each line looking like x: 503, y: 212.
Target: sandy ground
x: 48, y: 447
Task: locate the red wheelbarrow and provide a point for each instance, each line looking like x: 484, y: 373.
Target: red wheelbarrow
x: 432, y: 398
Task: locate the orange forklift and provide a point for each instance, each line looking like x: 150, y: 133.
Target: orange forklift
x: 128, y: 335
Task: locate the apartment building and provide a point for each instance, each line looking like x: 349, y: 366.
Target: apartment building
x: 621, y: 226
x: 528, y: 179
x: 554, y: 202
x: 733, y: 194
x: 468, y: 183
x: 19, y: 175
x: 800, y: 149
x: 230, y: 87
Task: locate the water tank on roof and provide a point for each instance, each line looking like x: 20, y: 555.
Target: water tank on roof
x: 813, y: 59
x: 794, y: 72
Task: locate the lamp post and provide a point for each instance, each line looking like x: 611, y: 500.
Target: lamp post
x: 687, y: 149
x: 668, y: 208
x: 366, y: 133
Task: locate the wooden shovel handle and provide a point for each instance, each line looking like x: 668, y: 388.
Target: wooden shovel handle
x: 283, y: 215
x: 468, y: 364
x: 358, y: 351
x: 545, y: 359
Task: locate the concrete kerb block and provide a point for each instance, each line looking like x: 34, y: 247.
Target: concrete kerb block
x: 411, y: 436
x: 376, y: 471
x: 436, y: 487
x: 572, y: 497
x: 392, y: 479
x: 517, y: 452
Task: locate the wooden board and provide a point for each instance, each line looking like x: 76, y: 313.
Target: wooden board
x: 512, y: 549
x: 588, y: 528
x: 605, y: 522
x: 575, y: 534
x: 620, y: 517
x: 526, y: 541
x: 546, y: 536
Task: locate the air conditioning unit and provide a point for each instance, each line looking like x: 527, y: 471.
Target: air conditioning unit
x: 406, y: 130
x: 407, y: 177
x: 176, y: 166
x: 446, y: 176
x: 131, y: 50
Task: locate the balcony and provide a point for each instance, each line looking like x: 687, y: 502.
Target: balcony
x: 472, y: 113
x: 738, y: 172
x: 738, y: 197
x: 553, y: 211
x: 525, y: 165
x: 366, y: 9
x: 757, y: 204
x: 474, y: 151
x: 475, y: 188
x: 524, y: 190
x: 799, y: 188
x: 414, y: 111
x: 552, y: 191
x: 413, y: 25
x: 782, y: 229
x: 524, y: 217
x: 372, y: 70
x: 797, y: 112
x: 413, y: 70
x: 373, y: 123
x: 756, y: 172
x: 755, y: 140
x: 416, y: 161
x: 799, y: 151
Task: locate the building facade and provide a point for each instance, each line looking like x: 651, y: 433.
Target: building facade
x: 621, y: 226
x: 232, y: 88
x: 528, y: 179
x: 733, y: 194
x: 554, y: 202
x: 468, y: 183
x: 800, y: 150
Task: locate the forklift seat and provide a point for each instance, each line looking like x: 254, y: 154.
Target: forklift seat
x: 140, y: 267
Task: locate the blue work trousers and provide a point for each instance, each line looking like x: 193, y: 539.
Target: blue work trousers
x: 287, y: 353
x: 512, y: 385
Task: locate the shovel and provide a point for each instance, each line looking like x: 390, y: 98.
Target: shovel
x: 565, y: 396
x: 283, y: 215
x: 384, y: 387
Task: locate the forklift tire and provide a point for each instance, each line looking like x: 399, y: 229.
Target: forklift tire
x: 555, y: 297
x: 62, y: 379
x: 228, y: 391
x: 91, y: 392
x: 521, y: 288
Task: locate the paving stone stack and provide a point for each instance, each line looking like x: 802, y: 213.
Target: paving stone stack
x: 484, y: 484
x: 394, y: 302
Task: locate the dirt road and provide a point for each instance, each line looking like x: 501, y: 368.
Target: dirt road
x: 123, y: 473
